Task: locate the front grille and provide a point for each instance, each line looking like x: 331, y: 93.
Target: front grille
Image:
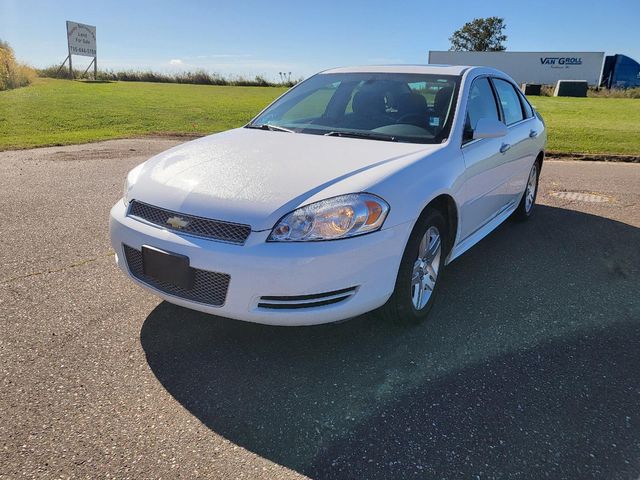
x: 200, y: 226
x: 277, y: 302
x: 208, y: 287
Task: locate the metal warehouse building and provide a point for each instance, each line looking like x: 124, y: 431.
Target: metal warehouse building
x: 548, y: 67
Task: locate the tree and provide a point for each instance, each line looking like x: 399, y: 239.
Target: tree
x: 480, y: 35
x: 13, y: 74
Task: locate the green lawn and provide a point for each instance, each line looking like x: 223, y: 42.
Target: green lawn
x: 591, y: 125
x: 54, y: 112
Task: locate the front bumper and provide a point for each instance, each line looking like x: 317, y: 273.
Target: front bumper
x: 258, y: 268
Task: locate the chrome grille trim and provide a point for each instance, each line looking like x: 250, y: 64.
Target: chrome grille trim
x: 209, y: 288
x: 218, y: 230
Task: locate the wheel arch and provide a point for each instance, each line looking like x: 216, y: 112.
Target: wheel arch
x: 447, y: 206
x: 449, y: 209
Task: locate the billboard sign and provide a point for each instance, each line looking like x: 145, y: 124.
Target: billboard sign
x: 531, y: 67
x: 81, y: 39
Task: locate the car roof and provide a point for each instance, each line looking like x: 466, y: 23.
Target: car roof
x: 434, y: 69
x: 468, y: 71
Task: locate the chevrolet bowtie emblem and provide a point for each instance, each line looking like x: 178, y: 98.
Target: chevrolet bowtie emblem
x: 177, y: 222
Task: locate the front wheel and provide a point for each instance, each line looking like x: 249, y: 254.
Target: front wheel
x: 420, y: 271
x: 527, y: 204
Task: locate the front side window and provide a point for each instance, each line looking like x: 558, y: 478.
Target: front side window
x: 509, y: 101
x: 481, y: 104
x: 404, y: 107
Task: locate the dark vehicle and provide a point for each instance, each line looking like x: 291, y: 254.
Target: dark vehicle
x: 620, y: 71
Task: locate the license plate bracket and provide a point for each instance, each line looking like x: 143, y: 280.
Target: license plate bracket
x: 167, y: 267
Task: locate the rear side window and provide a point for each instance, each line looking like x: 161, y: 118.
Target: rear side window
x: 528, y: 110
x: 509, y: 100
x: 481, y: 104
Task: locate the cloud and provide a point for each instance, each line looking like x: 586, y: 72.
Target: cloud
x: 175, y: 61
x: 222, y: 55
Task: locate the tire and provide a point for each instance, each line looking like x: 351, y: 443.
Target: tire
x: 527, y: 204
x: 404, y: 306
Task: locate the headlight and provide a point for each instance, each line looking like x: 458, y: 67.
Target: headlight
x: 125, y: 195
x: 338, y: 217
x: 129, y: 182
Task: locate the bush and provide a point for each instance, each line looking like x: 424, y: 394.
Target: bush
x: 615, y: 92
x: 12, y: 73
x: 547, y: 91
x: 199, y: 77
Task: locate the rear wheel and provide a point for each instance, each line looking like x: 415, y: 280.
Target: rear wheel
x: 527, y: 203
x: 420, y: 270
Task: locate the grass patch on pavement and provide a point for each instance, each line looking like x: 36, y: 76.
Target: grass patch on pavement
x: 58, y: 112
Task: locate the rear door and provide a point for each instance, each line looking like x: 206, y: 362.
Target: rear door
x: 518, y: 145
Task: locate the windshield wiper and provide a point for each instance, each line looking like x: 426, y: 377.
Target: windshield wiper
x: 268, y: 126
x: 370, y: 136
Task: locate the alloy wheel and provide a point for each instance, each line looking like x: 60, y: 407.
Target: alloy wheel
x: 425, y: 268
x: 532, y: 184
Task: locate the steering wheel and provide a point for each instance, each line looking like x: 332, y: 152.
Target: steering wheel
x: 413, y: 116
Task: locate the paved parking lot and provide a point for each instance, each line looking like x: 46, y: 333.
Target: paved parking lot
x: 528, y: 368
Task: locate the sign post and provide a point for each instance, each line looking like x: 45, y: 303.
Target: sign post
x: 81, y: 40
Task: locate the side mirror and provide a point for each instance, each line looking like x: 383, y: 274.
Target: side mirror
x: 489, y: 128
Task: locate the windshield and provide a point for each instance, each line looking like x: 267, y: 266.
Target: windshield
x: 400, y: 107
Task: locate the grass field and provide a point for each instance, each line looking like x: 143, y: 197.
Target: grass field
x: 55, y: 112
x: 60, y: 112
x: 591, y: 125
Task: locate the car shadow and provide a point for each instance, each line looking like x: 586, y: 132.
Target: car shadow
x: 528, y: 367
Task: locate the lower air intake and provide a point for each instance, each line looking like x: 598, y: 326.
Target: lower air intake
x: 208, y: 287
x: 305, y: 301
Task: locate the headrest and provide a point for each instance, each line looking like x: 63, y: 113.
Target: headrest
x: 442, y: 99
x: 367, y: 102
x: 412, y: 103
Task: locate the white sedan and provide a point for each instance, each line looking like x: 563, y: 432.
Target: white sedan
x: 349, y: 193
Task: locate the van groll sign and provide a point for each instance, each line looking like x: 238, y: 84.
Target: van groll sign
x: 81, y: 39
x: 560, y: 61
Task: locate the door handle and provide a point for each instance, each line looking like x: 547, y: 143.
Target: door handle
x: 504, y: 147
x: 533, y: 134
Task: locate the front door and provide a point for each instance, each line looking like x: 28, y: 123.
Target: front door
x: 486, y: 161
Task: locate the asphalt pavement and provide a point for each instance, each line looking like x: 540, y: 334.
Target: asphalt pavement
x: 528, y: 368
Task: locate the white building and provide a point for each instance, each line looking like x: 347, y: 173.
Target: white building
x: 531, y: 67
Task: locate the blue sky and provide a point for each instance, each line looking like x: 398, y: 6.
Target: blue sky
x: 265, y: 37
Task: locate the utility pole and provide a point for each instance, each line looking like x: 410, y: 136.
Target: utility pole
x: 70, y: 64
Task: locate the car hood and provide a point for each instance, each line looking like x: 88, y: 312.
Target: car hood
x: 255, y: 177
